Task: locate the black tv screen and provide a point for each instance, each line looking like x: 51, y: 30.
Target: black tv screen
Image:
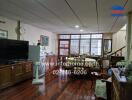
x: 13, y: 49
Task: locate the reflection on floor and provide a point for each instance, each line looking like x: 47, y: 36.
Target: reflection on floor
x: 60, y: 88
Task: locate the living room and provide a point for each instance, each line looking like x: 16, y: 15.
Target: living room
x: 65, y: 49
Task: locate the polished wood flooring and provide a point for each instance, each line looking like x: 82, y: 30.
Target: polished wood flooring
x: 61, y: 87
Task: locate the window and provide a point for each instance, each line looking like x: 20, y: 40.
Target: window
x: 75, y: 36
x: 64, y: 44
x: 63, y: 51
x: 96, y: 36
x: 85, y: 46
x: 64, y: 36
x: 74, y: 47
x: 96, y: 44
x: 90, y: 44
x: 64, y: 47
x: 107, y: 46
x: 96, y: 47
x: 85, y: 36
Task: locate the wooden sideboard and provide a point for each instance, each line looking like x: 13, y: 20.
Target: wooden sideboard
x: 14, y: 73
x: 121, y: 88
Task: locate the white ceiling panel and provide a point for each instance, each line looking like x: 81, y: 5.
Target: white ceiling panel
x: 61, y: 10
x: 119, y: 23
x: 85, y: 11
x: 35, y: 9
x: 106, y: 20
x: 60, y: 16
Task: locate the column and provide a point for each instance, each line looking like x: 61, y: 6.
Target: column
x: 129, y: 38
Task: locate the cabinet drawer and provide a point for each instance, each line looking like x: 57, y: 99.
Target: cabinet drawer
x: 14, y: 73
x: 6, y: 76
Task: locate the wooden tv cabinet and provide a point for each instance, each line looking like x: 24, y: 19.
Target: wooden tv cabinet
x: 15, y: 73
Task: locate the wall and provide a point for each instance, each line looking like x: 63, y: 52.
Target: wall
x: 129, y: 38
x: 107, y: 36
x: 118, y: 41
x: 29, y: 33
x: 32, y: 34
x: 10, y: 26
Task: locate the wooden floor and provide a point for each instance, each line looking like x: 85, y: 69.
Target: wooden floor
x: 60, y: 88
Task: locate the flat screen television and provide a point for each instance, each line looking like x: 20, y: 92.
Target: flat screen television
x: 13, y: 50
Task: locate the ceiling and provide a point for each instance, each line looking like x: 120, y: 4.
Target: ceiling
x: 60, y: 16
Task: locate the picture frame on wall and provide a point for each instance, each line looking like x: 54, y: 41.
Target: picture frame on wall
x: 3, y: 33
x: 44, y: 40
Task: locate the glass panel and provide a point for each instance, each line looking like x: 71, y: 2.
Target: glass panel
x: 64, y: 44
x: 96, y: 47
x: 75, y: 36
x: 63, y: 51
x: 96, y: 36
x: 85, y: 46
x: 107, y: 46
x: 64, y: 36
x: 85, y: 36
x: 74, y: 47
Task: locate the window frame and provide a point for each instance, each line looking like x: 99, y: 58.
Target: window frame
x: 80, y: 41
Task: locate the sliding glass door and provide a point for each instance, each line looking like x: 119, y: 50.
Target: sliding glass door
x: 64, y: 47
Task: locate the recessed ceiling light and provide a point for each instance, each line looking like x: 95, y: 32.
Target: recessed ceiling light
x: 76, y: 26
x: 81, y: 30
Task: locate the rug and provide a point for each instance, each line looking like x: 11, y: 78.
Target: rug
x: 100, y: 89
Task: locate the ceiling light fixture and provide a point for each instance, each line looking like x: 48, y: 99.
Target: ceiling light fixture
x: 76, y: 26
x: 81, y: 30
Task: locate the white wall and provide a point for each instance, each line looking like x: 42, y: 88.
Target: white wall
x: 118, y: 41
x: 9, y: 26
x: 30, y: 33
x: 107, y: 36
